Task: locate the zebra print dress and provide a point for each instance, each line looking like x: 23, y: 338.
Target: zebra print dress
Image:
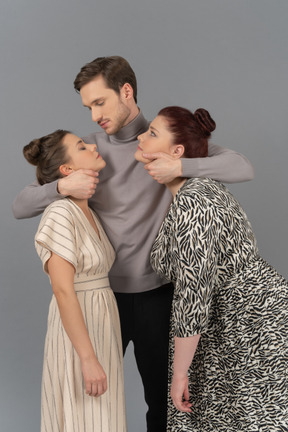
x: 238, y: 303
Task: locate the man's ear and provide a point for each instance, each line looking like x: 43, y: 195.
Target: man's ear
x: 126, y: 91
x: 178, y: 151
x: 65, y: 170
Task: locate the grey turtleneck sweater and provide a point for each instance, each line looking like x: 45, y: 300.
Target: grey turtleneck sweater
x: 130, y: 204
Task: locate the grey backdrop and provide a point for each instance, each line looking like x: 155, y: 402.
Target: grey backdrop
x: 229, y: 56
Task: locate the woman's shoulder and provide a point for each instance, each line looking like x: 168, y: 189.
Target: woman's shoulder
x: 205, y: 188
x: 201, y: 195
x: 198, y: 189
x: 58, y: 220
x: 208, y: 195
x: 60, y: 211
x: 64, y: 205
x: 201, y: 185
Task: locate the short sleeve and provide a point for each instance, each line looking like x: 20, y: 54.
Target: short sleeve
x: 56, y: 233
x: 195, y: 252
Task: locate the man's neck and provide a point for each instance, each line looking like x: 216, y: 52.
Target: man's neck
x: 130, y: 132
x: 133, y: 114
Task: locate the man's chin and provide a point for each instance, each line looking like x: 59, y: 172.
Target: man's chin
x: 111, y: 130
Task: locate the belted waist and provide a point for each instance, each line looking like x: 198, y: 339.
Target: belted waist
x: 91, y: 282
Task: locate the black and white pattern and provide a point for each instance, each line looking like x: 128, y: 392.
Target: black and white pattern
x: 238, y: 303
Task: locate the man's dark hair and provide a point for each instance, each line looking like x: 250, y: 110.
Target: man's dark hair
x: 115, y: 70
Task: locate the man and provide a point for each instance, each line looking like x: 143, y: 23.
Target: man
x: 131, y: 206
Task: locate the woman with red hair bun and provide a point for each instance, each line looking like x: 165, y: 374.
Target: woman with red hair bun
x: 229, y: 321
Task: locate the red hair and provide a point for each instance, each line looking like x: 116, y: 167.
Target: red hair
x: 190, y: 130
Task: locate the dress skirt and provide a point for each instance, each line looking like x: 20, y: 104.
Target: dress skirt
x: 65, y: 405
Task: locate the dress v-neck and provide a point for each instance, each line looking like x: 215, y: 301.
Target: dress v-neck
x: 88, y: 223
x: 99, y: 227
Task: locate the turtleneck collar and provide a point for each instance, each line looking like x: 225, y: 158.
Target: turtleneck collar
x: 130, y: 132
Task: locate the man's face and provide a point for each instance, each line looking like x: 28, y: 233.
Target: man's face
x: 108, y: 108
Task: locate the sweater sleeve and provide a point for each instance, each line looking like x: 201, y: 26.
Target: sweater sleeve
x: 222, y: 164
x: 196, y: 259
x: 33, y: 199
x: 56, y: 233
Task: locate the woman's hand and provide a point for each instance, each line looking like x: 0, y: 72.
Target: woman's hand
x: 185, y: 348
x: 180, y: 393
x: 94, y: 377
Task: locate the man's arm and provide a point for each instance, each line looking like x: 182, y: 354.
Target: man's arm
x: 221, y: 164
x: 33, y: 199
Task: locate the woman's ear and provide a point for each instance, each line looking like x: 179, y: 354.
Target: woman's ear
x: 178, y: 151
x: 65, y: 170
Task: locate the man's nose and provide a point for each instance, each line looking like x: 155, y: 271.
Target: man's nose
x: 96, y: 115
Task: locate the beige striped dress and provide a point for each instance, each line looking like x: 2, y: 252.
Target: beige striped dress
x: 65, y: 407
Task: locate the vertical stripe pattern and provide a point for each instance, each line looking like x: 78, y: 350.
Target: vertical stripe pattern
x: 65, y: 407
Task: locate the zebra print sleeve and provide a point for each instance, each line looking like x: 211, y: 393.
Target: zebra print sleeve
x: 195, y: 257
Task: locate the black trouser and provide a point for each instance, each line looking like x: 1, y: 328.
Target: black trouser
x: 145, y: 321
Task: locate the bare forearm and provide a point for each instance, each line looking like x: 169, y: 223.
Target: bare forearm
x: 184, y: 352
x: 72, y: 318
x: 62, y: 279
x: 73, y: 322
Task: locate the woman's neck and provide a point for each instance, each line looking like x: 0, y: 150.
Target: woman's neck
x: 82, y: 203
x: 175, y: 185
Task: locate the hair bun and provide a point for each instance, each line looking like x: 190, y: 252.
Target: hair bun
x: 32, y: 151
x: 205, y: 121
